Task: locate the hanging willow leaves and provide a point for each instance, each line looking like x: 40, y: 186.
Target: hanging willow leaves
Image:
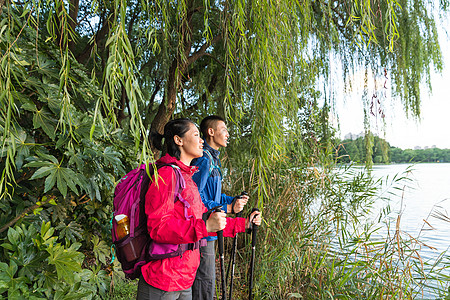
x: 249, y: 60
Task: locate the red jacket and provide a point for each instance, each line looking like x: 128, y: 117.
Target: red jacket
x: 167, y: 224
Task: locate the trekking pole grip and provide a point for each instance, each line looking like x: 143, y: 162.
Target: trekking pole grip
x: 244, y: 193
x: 220, y: 235
x: 254, y: 229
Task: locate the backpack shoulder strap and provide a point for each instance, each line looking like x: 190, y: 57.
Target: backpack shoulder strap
x: 181, y: 184
x: 213, y: 164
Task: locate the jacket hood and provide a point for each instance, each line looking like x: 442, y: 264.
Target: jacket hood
x: 167, y: 159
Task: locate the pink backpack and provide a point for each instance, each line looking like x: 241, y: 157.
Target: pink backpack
x: 137, y: 248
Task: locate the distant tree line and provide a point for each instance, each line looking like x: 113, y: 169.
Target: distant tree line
x: 356, y: 151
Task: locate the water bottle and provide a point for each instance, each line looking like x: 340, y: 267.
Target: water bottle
x: 123, y: 226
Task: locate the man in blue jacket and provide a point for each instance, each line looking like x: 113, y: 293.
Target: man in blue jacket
x: 209, y: 182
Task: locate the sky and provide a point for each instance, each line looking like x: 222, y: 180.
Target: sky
x: 433, y: 129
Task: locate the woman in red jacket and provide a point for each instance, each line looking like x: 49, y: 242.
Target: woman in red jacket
x: 172, y: 278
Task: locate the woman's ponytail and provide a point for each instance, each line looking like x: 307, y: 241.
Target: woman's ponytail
x: 156, y: 139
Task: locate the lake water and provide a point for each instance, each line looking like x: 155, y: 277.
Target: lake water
x: 425, y: 195
x: 422, y: 202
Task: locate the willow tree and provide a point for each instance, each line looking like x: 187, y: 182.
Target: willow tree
x: 81, y: 81
x: 266, y: 60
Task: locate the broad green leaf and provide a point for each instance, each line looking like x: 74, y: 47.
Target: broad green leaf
x: 62, y: 141
x: 7, y: 246
x: 36, y: 211
x: 30, y: 106
x: 77, y: 159
x: 46, y: 230
x: 83, y: 129
x: 49, y: 281
x: 41, y: 172
x: 22, y: 148
x: 66, y: 261
x: 63, y: 177
x: 3, y: 286
x: 32, y: 262
x: 100, y: 249
x: 8, y: 271
x: 49, y: 157
x: 62, y: 184
x: 112, y: 157
x: 54, y: 103
x: 37, y: 163
x: 51, y: 180
x: 44, y: 119
x: 71, y: 178
x: 4, y: 273
x: 13, y: 236
x: 71, y: 232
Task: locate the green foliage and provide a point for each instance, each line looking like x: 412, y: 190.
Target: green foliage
x: 250, y: 60
x: 382, y: 152
x: 123, y: 289
x: 56, y: 166
x: 41, y: 267
x: 419, y: 155
x: 357, y: 150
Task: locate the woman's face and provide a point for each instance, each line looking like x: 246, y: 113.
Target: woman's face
x: 191, y: 144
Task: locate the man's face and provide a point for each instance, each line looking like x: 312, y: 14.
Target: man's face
x: 219, y: 135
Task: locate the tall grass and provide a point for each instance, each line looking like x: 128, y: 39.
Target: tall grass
x: 318, y: 241
x: 122, y: 288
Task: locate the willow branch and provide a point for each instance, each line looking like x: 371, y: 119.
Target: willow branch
x: 100, y: 35
x: 202, y: 51
x: 217, y: 61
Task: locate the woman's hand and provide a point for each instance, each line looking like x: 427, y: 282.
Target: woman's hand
x: 216, y: 222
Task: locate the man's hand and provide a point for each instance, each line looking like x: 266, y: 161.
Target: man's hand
x: 239, y: 203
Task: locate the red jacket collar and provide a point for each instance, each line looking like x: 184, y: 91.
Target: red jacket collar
x: 167, y: 159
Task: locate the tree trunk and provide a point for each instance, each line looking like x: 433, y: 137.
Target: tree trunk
x: 100, y: 40
x: 179, y: 66
x: 73, y: 16
x: 167, y: 106
x: 122, y: 104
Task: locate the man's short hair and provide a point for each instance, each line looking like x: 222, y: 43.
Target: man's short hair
x: 209, y: 122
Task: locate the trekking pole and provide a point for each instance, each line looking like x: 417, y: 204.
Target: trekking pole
x: 222, y: 261
x: 232, y: 263
x: 252, y: 261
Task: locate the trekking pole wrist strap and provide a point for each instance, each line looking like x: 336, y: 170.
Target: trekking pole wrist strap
x: 207, y: 214
x: 238, y: 214
x: 233, y: 203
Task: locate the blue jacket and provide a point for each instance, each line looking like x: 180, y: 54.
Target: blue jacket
x: 210, y: 185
